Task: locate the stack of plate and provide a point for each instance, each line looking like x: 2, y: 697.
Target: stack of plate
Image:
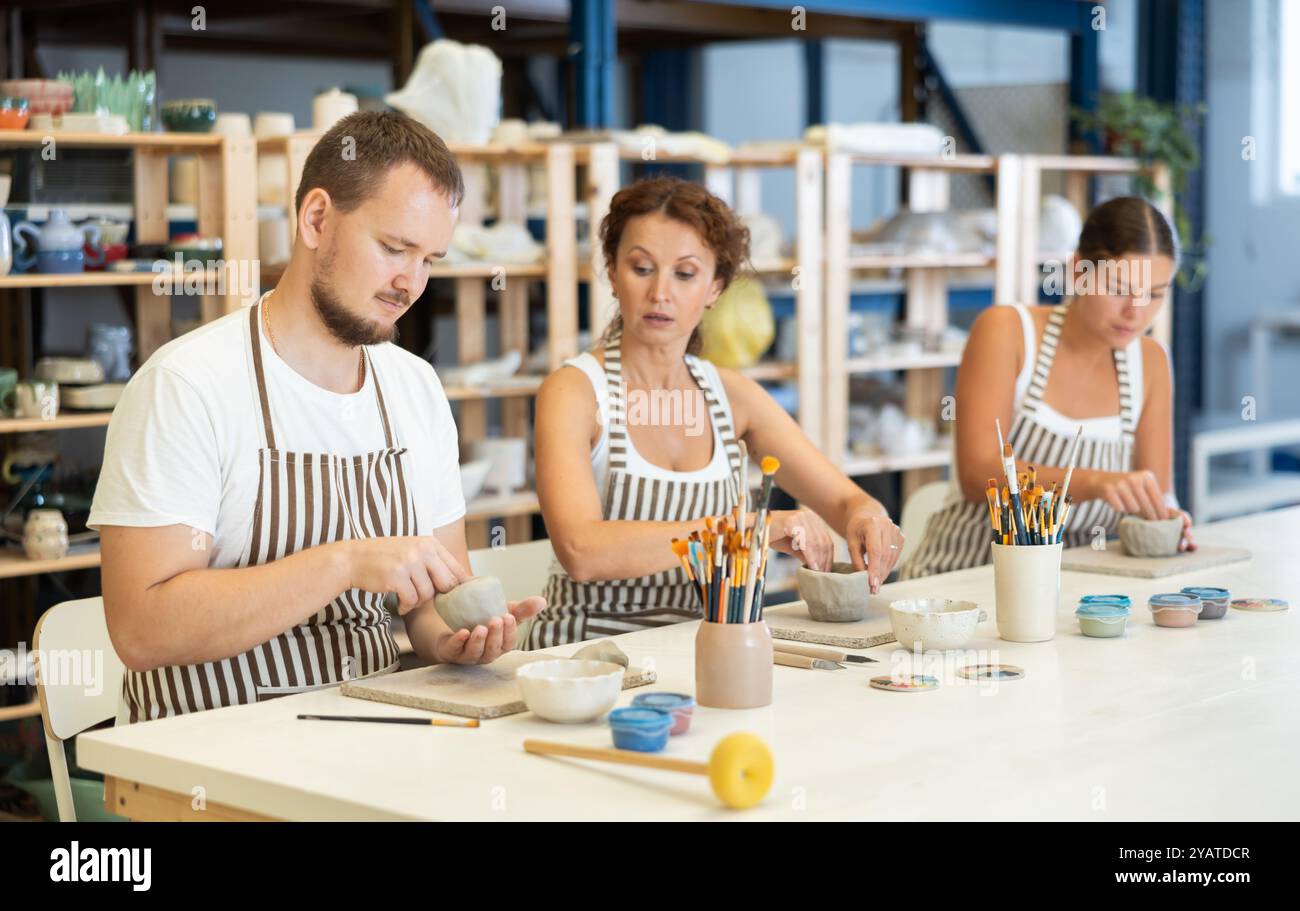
x: 81, y: 383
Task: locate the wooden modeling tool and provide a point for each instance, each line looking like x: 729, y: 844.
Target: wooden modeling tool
x: 826, y: 654
x: 785, y: 659
x: 740, y: 768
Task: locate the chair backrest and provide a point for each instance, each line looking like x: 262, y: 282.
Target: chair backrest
x: 79, y: 675
x: 522, y: 569
x: 78, y: 682
x: 924, y: 502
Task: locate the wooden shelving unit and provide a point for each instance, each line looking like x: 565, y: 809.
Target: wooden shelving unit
x: 926, y: 308
x: 26, y: 710
x: 226, y: 208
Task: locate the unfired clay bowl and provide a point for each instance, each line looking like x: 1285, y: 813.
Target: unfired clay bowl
x: 570, y: 691
x: 472, y: 603
x: 1150, y: 537
x: 838, y: 596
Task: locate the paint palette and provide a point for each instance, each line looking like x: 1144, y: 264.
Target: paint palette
x: 905, y: 683
x: 991, y: 672
x: 1259, y: 605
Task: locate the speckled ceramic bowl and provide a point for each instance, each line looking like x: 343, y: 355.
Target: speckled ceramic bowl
x: 934, y: 624
x: 570, y: 691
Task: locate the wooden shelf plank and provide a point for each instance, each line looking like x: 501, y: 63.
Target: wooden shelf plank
x: 1086, y: 164
x: 977, y: 163
x: 91, y: 279
x: 70, y: 420
x: 516, y: 387
x: 922, y: 261
x: 14, y: 564
x: 922, y: 361
x: 181, y: 142
x: 859, y: 465
x: 14, y: 712
x: 520, y: 503
x: 772, y: 370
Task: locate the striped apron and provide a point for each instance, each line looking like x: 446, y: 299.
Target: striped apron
x: 588, y: 610
x: 958, y: 535
x: 303, y: 500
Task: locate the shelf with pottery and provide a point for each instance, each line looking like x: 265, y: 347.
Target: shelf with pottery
x: 522, y: 503
x: 925, y: 280
x: 27, y: 710
x: 15, y: 563
x: 107, y: 279
x: 68, y: 420
x: 175, y: 143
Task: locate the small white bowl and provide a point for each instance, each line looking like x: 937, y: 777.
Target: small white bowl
x: 71, y: 370
x: 570, y: 691
x: 936, y: 624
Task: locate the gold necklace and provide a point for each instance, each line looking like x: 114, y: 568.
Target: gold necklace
x: 270, y: 334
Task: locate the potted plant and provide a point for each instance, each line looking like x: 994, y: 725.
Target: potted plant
x: 1134, y: 126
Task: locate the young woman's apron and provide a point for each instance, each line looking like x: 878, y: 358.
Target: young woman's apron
x: 958, y: 536
x: 588, y: 610
x: 304, y: 500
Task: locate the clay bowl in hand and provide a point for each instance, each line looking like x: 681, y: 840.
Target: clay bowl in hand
x: 472, y: 603
x: 838, y: 596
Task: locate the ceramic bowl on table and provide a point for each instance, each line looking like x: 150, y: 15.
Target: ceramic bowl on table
x: 1150, y: 537
x: 570, y: 691
x: 838, y: 596
x: 100, y: 397
x: 44, y: 96
x: 1175, y: 609
x: 935, y: 624
x: 190, y: 115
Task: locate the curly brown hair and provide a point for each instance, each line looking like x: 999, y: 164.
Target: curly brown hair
x: 692, y: 205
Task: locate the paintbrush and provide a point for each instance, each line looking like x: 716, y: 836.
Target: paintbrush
x: 997, y: 422
x: 680, y: 548
x: 1074, y: 454
x: 380, y: 719
x: 744, y: 482
x: 769, y: 465
x: 1009, y: 466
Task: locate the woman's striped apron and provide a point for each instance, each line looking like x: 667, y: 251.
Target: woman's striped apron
x: 303, y: 500
x: 957, y: 536
x: 588, y: 610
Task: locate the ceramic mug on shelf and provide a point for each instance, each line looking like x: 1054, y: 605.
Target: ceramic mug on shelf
x: 59, y: 245
x: 36, y: 399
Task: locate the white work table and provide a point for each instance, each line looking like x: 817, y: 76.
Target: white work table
x: 1199, y: 723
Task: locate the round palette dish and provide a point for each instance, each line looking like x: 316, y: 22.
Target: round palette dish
x: 1262, y: 605
x: 991, y: 672
x: 1214, y: 601
x: 640, y: 729
x: 679, y: 705
x: 1175, y: 609
x: 1102, y: 619
x: 905, y: 683
x: 569, y: 691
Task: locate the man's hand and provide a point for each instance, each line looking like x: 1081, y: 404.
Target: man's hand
x: 485, y: 644
x: 414, y: 568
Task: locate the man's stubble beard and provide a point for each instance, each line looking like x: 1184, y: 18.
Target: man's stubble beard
x: 347, y: 327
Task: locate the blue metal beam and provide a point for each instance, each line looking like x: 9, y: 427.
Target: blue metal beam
x: 1068, y: 15
x: 593, y: 50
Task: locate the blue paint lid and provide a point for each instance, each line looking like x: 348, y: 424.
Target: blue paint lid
x: 1106, y: 599
x: 1175, y: 601
x: 665, y: 702
x: 1102, y: 610
x: 1206, y: 592
x: 640, y: 718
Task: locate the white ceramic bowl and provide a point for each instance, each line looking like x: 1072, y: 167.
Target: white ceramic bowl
x: 102, y: 397
x: 71, y: 370
x: 937, y: 624
x: 570, y: 691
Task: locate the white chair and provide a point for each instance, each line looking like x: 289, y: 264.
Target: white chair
x: 66, y: 635
x: 924, y: 502
x: 522, y: 569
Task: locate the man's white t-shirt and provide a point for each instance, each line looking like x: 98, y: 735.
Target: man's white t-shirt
x: 182, y: 446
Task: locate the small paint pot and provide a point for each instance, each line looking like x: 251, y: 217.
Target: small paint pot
x: 640, y: 729
x: 1174, y: 609
x: 1214, y: 601
x: 1121, y: 600
x: 679, y: 705
x: 1102, y: 620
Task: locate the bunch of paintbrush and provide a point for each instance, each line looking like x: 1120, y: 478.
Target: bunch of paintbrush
x: 1020, y: 511
x: 727, y: 562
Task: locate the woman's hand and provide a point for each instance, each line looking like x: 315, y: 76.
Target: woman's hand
x: 802, y: 533
x: 1186, y: 543
x: 875, y: 544
x: 1135, y: 493
x: 485, y: 644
